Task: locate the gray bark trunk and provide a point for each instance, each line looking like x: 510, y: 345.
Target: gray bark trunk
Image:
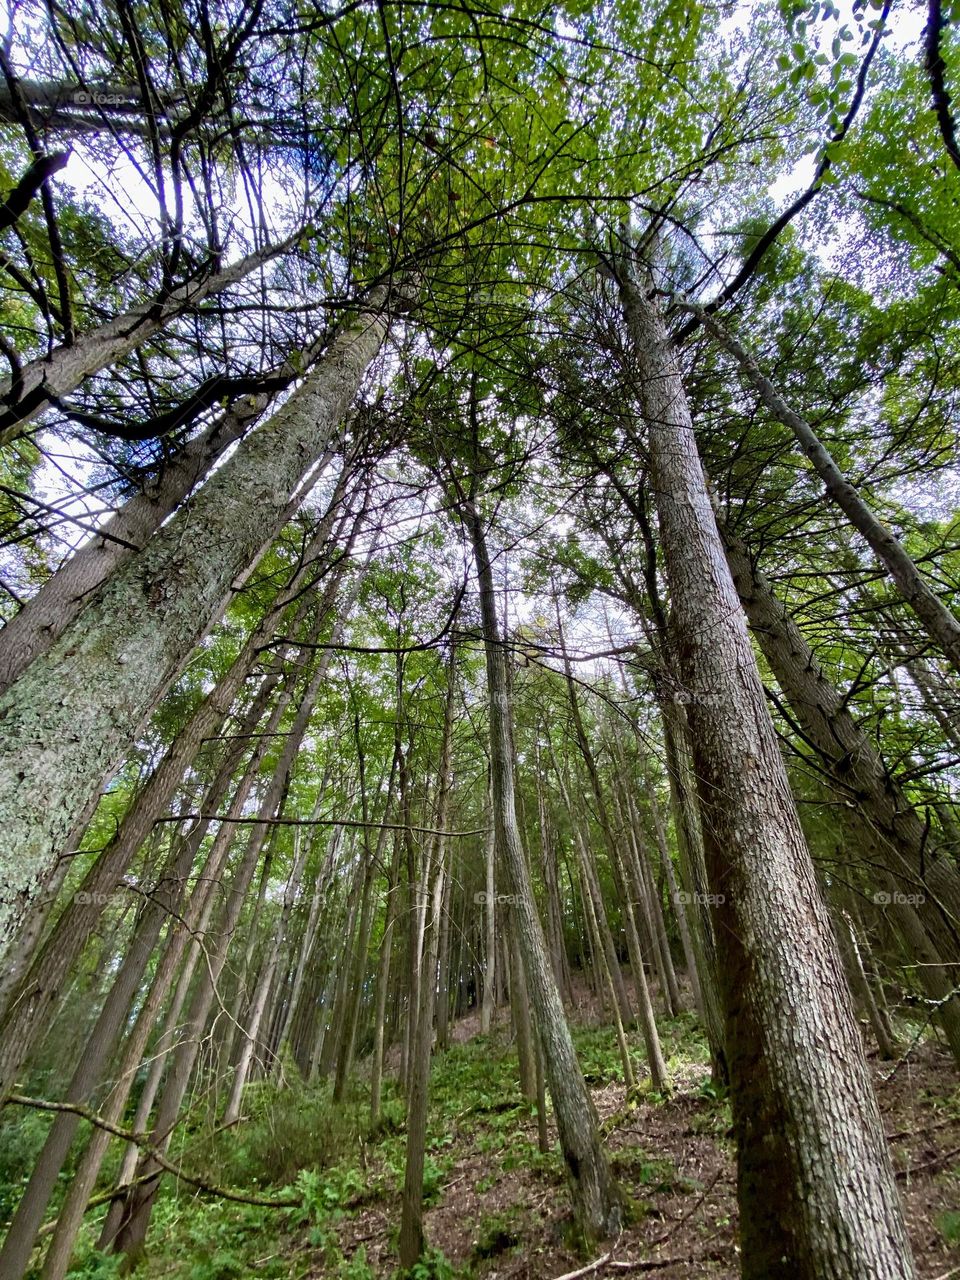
x: 36, y: 1000
x: 596, y: 1200
x: 74, y: 712
x: 898, y: 836
x: 46, y: 616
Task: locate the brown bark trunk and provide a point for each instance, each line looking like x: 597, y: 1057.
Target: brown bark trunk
x: 596, y: 1200
x: 806, y: 1120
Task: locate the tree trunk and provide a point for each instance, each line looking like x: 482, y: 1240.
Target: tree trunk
x: 164, y: 899
x: 596, y: 1200
x: 488, y: 998
x: 383, y: 981
x: 36, y: 998
x: 46, y: 616
x: 75, y: 711
x: 139, y: 1202
x: 49, y: 378
x: 806, y: 1120
x: 940, y: 624
x: 183, y: 933
x: 411, y: 1208
x: 903, y: 846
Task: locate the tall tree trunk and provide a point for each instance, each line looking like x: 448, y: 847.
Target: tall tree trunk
x: 374, y: 859
x: 164, y: 899
x: 941, y: 625
x: 555, y: 938
x: 903, y: 846
x: 43, y: 381
x: 520, y: 1013
x: 46, y: 616
x: 383, y: 981
x: 806, y: 1120
x: 605, y: 957
x: 411, y: 1210
x: 139, y: 1201
x: 443, y: 957
x: 488, y: 996
x: 690, y: 845
x: 596, y: 1200
x: 250, y: 1033
x: 184, y: 933
x: 72, y: 715
x: 33, y: 1008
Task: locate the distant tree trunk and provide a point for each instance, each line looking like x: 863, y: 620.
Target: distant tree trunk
x: 328, y: 1046
x: 860, y: 986
x: 43, y: 381
x: 856, y: 765
x: 411, y: 1206
x: 806, y: 1120
x: 183, y: 934
x: 488, y: 998
x: 596, y: 1200
x: 598, y: 930
x: 555, y: 938
x: 136, y: 1207
x: 679, y: 907
x: 139, y: 1201
x: 74, y: 712
x: 302, y: 989
x: 33, y: 1004
x: 520, y: 1010
x: 383, y: 981
x: 690, y: 844
x: 373, y: 860
x: 258, y: 1006
x: 941, y: 625
x: 587, y: 893
x: 443, y: 971
x: 164, y: 899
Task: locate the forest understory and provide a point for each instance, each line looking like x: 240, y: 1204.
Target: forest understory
x: 495, y: 1204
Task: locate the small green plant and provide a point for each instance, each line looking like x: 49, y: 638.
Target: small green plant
x: 434, y: 1265
x: 497, y: 1233
x: 98, y: 1266
x: 948, y: 1224
x: 357, y: 1267
x: 434, y: 1176
x: 327, y: 1195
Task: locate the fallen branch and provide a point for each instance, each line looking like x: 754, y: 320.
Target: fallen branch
x: 590, y: 1267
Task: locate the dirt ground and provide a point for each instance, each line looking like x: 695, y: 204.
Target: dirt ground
x: 675, y: 1158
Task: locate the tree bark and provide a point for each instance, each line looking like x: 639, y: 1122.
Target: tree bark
x: 596, y: 1199
x: 411, y: 1207
x: 805, y: 1115
x: 898, y: 836
x: 46, y: 615
x: 74, y: 712
x: 30, y: 1015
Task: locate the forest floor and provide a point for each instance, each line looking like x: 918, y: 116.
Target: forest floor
x: 498, y: 1207
x: 502, y: 1210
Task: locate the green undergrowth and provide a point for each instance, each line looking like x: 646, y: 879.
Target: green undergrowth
x: 294, y: 1142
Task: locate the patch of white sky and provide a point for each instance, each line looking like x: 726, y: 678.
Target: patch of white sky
x: 904, y: 29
